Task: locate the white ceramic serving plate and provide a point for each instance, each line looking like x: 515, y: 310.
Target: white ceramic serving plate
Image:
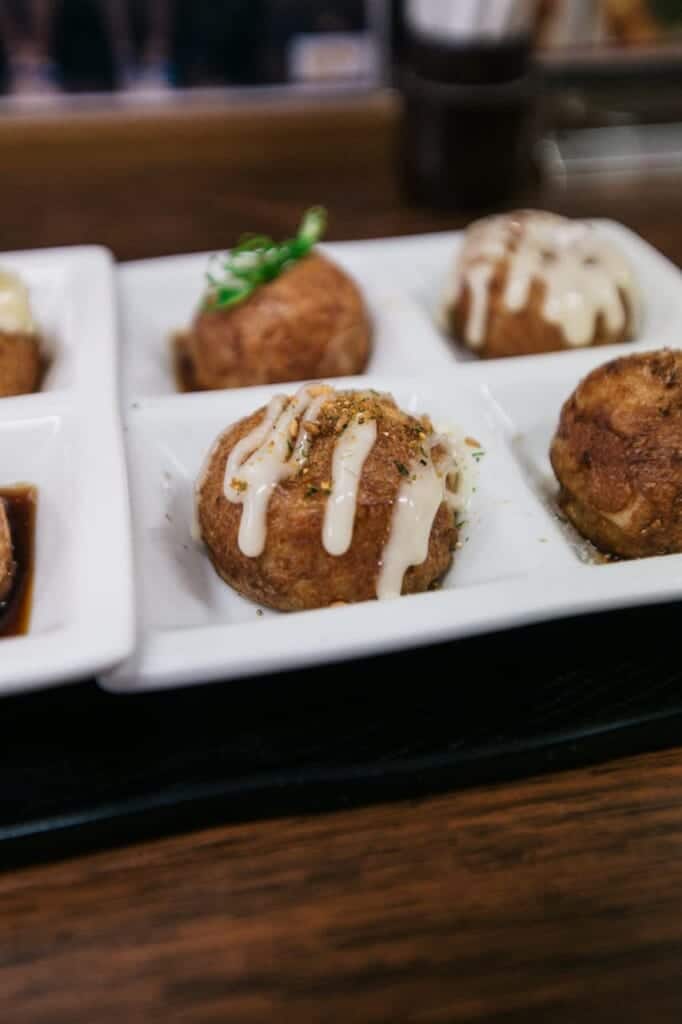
x: 403, y: 280
x: 66, y: 440
x: 518, y: 564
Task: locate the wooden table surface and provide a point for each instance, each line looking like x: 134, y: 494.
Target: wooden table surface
x: 555, y: 899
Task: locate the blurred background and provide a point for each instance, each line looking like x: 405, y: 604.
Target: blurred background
x: 215, y: 116
x: 92, y: 46
x: 53, y: 48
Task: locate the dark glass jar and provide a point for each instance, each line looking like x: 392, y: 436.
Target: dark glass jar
x: 469, y: 122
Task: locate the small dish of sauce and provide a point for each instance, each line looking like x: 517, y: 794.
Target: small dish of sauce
x: 15, y: 610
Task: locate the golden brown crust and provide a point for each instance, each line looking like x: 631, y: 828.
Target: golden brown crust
x: 20, y: 364
x: 7, y: 564
x: 295, y: 572
x: 525, y: 332
x: 308, y: 323
x: 618, y: 455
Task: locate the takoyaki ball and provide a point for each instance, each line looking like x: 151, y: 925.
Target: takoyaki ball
x: 617, y: 455
x: 329, y: 497
x: 532, y: 282
x: 20, y: 358
x: 309, y: 322
x: 20, y: 364
x: 7, y: 564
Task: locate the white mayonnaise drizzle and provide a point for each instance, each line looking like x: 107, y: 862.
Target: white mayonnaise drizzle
x: 302, y: 448
x: 262, y: 459
x: 15, y: 308
x: 349, y: 456
x: 478, y: 279
x: 585, y: 275
x: 278, y: 448
x: 419, y: 497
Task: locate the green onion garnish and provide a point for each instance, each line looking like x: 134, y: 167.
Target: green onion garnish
x: 257, y: 259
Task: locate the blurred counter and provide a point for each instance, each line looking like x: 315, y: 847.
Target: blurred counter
x: 193, y: 176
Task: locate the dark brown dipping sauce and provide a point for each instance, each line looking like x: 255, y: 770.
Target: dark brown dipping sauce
x: 15, y: 610
x: 182, y: 366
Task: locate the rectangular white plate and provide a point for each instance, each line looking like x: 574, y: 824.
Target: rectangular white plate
x: 403, y: 280
x: 517, y: 563
x: 66, y: 440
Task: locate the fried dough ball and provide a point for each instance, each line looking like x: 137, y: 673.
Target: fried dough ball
x: 294, y: 570
x: 7, y: 564
x: 617, y: 455
x: 309, y: 322
x: 532, y: 282
x: 20, y: 358
x: 20, y: 364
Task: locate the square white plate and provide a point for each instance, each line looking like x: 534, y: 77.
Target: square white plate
x: 516, y: 565
x: 159, y: 297
x: 67, y: 441
x: 403, y: 280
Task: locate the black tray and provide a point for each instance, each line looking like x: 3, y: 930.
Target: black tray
x: 83, y: 769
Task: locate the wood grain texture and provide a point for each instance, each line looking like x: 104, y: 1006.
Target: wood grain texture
x: 557, y: 899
